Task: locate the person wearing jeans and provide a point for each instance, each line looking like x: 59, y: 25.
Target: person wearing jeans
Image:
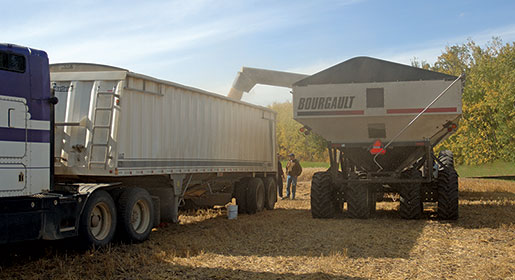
x: 293, y: 170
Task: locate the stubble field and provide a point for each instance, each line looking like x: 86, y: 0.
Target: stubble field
x: 287, y: 243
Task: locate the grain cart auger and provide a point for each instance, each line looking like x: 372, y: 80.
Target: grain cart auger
x: 382, y: 121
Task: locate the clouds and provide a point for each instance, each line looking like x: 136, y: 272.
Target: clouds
x: 203, y: 43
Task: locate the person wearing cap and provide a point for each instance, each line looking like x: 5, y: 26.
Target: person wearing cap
x: 293, y: 170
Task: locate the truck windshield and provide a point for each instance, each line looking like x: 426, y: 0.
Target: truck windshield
x: 12, y: 62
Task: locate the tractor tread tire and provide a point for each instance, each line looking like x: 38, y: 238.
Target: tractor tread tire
x: 411, y: 206
x: 358, y: 201
x: 448, y: 198
x: 322, y: 196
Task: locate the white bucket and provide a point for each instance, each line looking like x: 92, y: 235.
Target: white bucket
x: 232, y: 212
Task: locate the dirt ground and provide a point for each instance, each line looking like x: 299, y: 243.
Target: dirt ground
x: 287, y: 243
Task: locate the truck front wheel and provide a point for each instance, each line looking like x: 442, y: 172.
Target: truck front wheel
x: 98, y: 220
x: 136, y: 214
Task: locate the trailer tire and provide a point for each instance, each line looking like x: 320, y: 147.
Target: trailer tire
x: 240, y: 193
x: 255, y: 196
x: 97, y: 224
x: 359, y: 201
x: 271, y: 192
x: 322, y: 204
x: 411, y: 206
x: 135, y: 215
x: 447, y: 182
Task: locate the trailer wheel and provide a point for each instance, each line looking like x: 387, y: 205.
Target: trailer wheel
x: 255, y: 195
x: 136, y: 214
x: 271, y: 192
x: 322, y: 204
x: 360, y: 201
x: 411, y: 202
x: 447, y: 183
x: 240, y: 193
x: 98, y: 220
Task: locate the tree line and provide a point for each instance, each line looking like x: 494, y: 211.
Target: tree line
x: 486, y: 131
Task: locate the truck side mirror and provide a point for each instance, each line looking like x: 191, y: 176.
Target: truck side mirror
x: 53, y: 100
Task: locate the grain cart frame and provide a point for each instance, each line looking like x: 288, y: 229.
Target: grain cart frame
x: 382, y: 121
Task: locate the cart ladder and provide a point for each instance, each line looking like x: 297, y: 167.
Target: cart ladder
x: 98, y: 124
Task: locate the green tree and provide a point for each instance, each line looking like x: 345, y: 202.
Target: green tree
x: 487, y: 128
x: 310, y: 147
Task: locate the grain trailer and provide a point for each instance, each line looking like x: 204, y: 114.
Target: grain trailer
x: 94, y: 150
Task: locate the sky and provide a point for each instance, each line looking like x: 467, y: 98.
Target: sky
x: 204, y: 43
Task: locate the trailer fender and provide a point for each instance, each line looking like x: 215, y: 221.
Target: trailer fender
x: 87, y: 189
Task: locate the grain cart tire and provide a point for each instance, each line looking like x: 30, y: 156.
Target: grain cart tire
x: 271, y: 192
x: 255, y: 196
x: 447, y: 183
x: 359, y: 201
x: 240, y: 193
x: 322, y: 206
x: 372, y: 200
x: 135, y: 215
x: 338, y: 207
x: 411, y: 202
x: 97, y: 223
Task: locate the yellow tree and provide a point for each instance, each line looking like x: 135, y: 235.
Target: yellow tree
x: 290, y: 140
x: 487, y: 127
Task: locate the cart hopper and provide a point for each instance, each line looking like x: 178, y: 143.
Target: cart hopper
x: 365, y: 99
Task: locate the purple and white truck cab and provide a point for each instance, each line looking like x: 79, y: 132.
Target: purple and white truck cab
x: 25, y: 121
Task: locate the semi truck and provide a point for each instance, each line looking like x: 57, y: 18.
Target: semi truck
x: 382, y: 121
x: 97, y: 151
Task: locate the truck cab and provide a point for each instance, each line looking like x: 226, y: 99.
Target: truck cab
x: 25, y: 121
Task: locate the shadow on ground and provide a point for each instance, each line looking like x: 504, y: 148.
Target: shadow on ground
x: 293, y: 232
x: 290, y: 231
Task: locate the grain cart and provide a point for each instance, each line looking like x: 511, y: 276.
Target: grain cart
x: 382, y: 121
x: 117, y: 152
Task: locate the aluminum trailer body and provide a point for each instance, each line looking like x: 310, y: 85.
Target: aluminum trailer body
x: 113, y: 122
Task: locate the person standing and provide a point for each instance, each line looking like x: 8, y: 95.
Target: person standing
x: 280, y: 176
x: 293, y: 170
